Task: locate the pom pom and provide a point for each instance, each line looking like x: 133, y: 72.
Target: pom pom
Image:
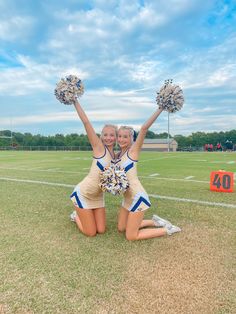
x: 170, y: 97
x: 114, y: 180
x: 68, y: 88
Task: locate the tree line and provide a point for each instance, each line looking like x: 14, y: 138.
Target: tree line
x: 197, y: 139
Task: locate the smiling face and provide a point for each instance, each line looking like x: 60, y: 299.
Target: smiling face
x: 124, y: 138
x: 109, y: 136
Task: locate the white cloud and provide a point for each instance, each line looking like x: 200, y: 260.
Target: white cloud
x: 30, y: 76
x: 223, y: 75
x: 94, y: 116
x: 15, y: 28
x: 194, y: 123
x: 123, y: 51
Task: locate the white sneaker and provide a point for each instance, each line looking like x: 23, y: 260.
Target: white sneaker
x: 72, y: 216
x: 160, y: 222
x: 173, y: 230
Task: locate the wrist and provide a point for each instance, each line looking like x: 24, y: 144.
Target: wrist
x: 75, y: 101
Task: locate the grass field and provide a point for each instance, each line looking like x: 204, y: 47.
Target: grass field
x: 48, y: 266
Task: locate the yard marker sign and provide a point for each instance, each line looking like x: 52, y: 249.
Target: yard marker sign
x: 222, y: 181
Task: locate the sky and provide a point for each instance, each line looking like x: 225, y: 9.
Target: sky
x: 123, y: 51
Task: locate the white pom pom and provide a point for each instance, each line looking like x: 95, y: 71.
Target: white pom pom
x: 68, y: 88
x: 170, y: 97
x: 114, y: 180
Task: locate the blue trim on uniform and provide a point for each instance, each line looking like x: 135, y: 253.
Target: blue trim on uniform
x: 140, y: 200
x: 119, y: 155
x: 100, y: 166
x: 127, y: 168
x: 115, y: 161
x: 103, y: 154
x: 131, y: 158
x: 77, y: 199
x: 112, y: 157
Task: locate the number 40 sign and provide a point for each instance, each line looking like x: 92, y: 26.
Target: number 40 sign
x: 222, y: 181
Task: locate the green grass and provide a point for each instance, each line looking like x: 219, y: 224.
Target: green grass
x: 48, y: 266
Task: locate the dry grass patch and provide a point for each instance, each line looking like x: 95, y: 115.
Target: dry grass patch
x: 185, y: 273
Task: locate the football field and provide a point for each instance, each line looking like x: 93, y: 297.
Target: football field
x: 48, y: 266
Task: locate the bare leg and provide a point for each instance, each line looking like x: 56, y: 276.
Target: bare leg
x: 85, y: 221
x: 122, y: 219
x: 132, y: 228
x: 100, y: 219
x: 86, y: 218
x: 147, y: 223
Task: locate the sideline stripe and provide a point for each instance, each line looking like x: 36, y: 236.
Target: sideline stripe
x: 151, y: 195
x: 172, y: 179
x: 190, y: 177
x: 160, y: 158
x: 192, y: 201
x: 81, y: 172
x: 41, y: 170
x: 37, y: 182
x: 154, y: 174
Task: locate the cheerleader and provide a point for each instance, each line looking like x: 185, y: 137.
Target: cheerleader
x: 87, y: 196
x: 136, y: 200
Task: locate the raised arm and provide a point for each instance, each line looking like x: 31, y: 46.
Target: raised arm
x: 136, y: 147
x: 92, y: 136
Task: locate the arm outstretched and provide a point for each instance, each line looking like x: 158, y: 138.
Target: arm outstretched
x: 94, y: 140
x: 136, y: 147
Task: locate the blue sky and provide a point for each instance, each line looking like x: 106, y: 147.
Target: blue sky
x: 123, y: 51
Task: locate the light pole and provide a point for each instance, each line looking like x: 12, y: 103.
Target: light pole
x: 168, y: 138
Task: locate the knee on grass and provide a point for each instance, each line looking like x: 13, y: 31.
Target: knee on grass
x: 90, y: 233
x: 121, y: 228
x: 101, y: 230
x: 131, y: 236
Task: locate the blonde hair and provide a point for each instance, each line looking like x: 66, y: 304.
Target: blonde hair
x: 130, y: 129
x: 109, y: 126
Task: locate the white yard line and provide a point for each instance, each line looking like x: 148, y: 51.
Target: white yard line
x: 3, y: 156
x: 190, y: 177
x: 160, y: 158
x: 151, y: 195
x: 187, y: 200
x: 154, y: 176
x: 172, y: 179
x: 35, y: 168
x: 41, y: 170
x: 77, y: 158
x: 37, y: 182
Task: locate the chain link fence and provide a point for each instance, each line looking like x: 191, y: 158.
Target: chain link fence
x: 47, y: 148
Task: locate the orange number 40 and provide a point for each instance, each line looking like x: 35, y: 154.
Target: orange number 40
x: 222, y: 181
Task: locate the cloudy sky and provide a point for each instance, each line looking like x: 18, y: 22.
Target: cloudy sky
x: 123, y: 51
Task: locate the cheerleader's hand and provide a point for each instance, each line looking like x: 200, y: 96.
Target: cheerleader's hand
x: 74, y: 100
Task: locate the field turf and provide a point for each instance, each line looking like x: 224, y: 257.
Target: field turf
x: 48, y: 266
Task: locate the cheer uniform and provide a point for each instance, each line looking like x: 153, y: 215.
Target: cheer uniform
x: 87, y: 194
x: 135, y: 197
